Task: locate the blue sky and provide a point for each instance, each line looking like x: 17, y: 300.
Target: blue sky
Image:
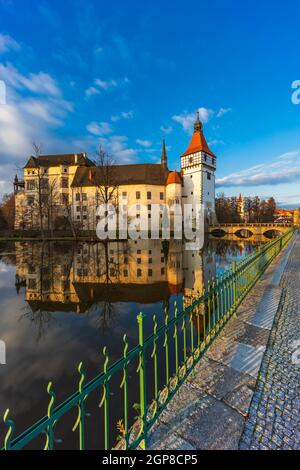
x: 125, y: 74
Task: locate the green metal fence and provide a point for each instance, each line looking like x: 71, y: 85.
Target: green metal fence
x: 182, y: 339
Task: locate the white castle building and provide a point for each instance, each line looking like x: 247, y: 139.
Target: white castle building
x: 56, y: 187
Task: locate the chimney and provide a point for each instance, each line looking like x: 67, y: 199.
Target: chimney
x: 90, y: 175
x: 76, y: 158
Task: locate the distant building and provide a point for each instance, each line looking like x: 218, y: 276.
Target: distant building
x: 296, y: 217
x: 58, y: 186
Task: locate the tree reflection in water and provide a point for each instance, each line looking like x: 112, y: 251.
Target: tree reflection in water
x: 93, y: 278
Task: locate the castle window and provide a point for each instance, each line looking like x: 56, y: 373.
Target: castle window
x: 191, y: 176
x: 77, y: 197
x: 124, y: 194
x: 64, y: 182
x: 191, y: 160
x: 150, y: 260
x: 149, y: 207
x: 125, y: 273
x: 84, y: 196
x: 139, y: 252
x: 150, y: 272
x: 205, y: 157
x: 162, y: 271
x: 161, y: 196
x: 149, y: 195
x: 138, y: 195
x: 30, y: 185
x: 139, y: 260
x: 64, y: 199
x: 44, y: 183
x: 78, y: 208
x: 139, y: 273
x: 208, y: 176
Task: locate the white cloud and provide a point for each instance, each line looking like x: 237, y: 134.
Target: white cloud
x: 98, y: 129
x: 187, y: 120
x: 92, y: 91
x: 213, y: 142
x: 38, y: 83
x: 223, y: 111
x: 144, y: 143
x: 30, y: 115
x: 284, y: 169
x: 104, y: 85
x: 98, y: 50
x: 7, y: 44
x: 51, y: 111
x: 167, y: 129
x: 15, y: 132
x: 123, y: 115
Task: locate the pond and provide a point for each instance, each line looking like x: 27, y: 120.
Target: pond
x: 61, y: 303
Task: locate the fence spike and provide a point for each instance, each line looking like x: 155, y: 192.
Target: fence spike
x: 11, y: 429
x: 80, y: 405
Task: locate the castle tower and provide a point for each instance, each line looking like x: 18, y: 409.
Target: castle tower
x: 198, y: 166
x: 164, y: 158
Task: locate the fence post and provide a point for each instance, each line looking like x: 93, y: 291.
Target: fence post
x: 233, y: 266
x: 142, y: 373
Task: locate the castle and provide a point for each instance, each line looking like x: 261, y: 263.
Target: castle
x: 57, y: 188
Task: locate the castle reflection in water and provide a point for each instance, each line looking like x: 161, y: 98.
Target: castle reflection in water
x: 73, y: 277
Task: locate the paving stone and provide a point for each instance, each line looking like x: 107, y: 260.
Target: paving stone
x: 219, y: 380
x: 278, y: 387
x: 206, y: 423
x: 164, y: 439
x: 240, y: 399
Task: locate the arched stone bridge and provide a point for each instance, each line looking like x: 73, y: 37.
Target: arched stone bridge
x: 248, y: 230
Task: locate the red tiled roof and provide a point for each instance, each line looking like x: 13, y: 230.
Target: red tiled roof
x: 174, y: 178
x: 198, y: 144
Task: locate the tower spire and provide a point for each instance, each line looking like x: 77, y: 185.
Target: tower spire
x: 198, y: 124
x: 164, y: 158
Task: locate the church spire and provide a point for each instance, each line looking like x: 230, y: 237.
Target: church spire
x: 164, y: 158
x: 198, y: 124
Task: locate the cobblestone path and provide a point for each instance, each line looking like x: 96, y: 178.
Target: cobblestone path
x: 274, y: 415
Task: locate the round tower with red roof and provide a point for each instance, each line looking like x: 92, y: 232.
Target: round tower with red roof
x: 198, y: 166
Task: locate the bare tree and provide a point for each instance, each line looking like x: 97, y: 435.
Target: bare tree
x: 107, y: 184
x: 37, y: 149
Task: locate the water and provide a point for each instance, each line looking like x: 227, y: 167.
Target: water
x: 61, y: 303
